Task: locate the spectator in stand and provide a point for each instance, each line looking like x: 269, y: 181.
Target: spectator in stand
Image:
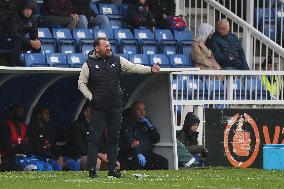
x: 21, y: 24
x: 77, y: 140
x: 61, y: 12
x: 161, y: 10
x: 7, y: 9
x: 188, y: 137
x: 82, y: 7
x: 200, y: 54
x: 227, y: 48
x: 272, y: 83
x: 137, y: 137
x: 42, y: 140
x: 139, y: 15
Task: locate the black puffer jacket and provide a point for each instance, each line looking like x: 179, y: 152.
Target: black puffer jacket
x: 19, y: 26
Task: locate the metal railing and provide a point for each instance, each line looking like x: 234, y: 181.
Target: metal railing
x: 257, y: 46
x: 222, y: 89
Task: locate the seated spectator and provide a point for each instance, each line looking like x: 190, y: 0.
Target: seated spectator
x: 61, y: 12
x: 137, y: 137
x: 15, y: 148
x: 227, y: 48
x: 82, y: 7
x: 162, y: 9
x: 77, y: 140
x: 139, y: 15
x: 188, y: 138
x: 21, y: 24
x: 42, y: 141
x: 272, y: 83
x: 200, y: 54
x: 7, y: 9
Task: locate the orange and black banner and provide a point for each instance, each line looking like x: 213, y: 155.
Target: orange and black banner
x: 235, y: 137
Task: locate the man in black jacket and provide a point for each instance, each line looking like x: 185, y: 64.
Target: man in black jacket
x: 42, y: 139
x: 137, y: 137
x: 162, y: 9
x: 99, y: 81
x: 21, y: 24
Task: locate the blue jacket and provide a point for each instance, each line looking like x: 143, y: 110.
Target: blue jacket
x: 130, y: 131
x: 228, y: 51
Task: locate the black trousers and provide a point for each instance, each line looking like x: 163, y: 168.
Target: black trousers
x: 111, y: 119
x: 19, y: 46
x: 154, y: 162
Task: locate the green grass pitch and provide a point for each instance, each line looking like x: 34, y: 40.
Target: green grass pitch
x: 228, y: 178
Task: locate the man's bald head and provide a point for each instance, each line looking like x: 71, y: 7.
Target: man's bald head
x: 223, y: 27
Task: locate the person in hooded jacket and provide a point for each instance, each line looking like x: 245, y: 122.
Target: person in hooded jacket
x: 200, y: 54
x: 22, y: 29
x: 188, y: 137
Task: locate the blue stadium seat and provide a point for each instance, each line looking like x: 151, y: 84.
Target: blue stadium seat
x: 122, y: 34
x: 57, y: 60
x: 61, y: 34
x: 67, y: 47
x: 163, y: 35
x: 149, y: 48
x: 124, y: 56
x: 184, y: 39
x: 102, y: 33
x: 184, y: 35
x: 162, y: 59
x: 47, y: 47
x: 66, y: 43
x: 126, y: 41
x: 115, y: 23
x: 166, y: 40
x: 145, y: 37
x: 186, y: 48
x: 35, y: 59
x: 85, y: 48
x: 180, y: 61
x: 139, y: 59
x: 82, y: 34
x: 143, y: 34
x: 76, y: 60
x: 108, y: 9
x: 169, y: 49
x: 44, y: 33
x: 129, y: 47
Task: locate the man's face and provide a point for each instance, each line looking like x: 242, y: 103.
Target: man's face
x: 27, y: 12
x: 19, y: 113
x: 223, y: 29
x: 142, y: 1
x: 103, y: 49
x: 44, y: 115
x: 139, y: 111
